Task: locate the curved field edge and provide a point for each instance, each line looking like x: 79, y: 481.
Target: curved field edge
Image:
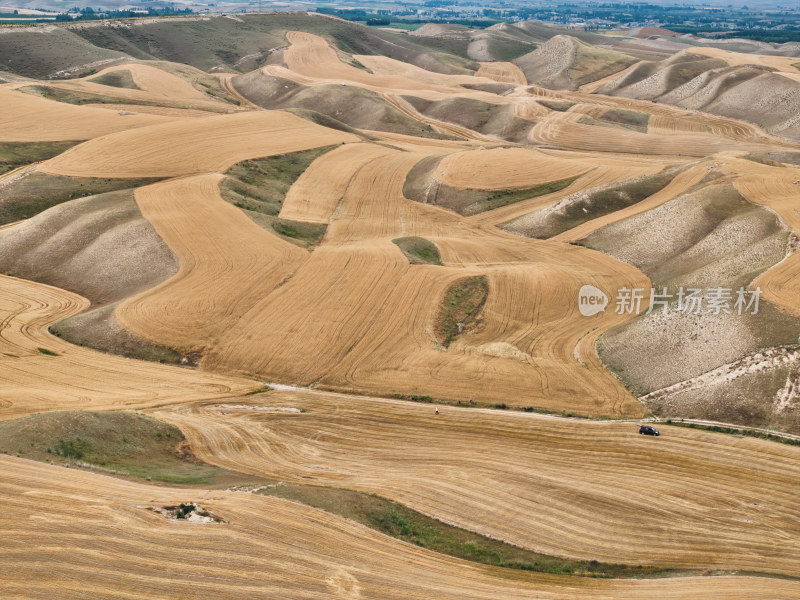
x: 422, y: 185
x: 135, y: 445
x: 315, y: 554
x: 102, y: 248
x: 460, y: 308
x: 418, y: 250
x: 70, y: 376
x: 526, y: 465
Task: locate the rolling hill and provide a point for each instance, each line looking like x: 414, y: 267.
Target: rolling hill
x: 293, y: 307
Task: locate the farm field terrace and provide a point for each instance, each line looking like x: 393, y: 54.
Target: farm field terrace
x: 291, y: 307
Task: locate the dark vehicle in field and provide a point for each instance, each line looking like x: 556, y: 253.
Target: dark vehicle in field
x: 647, y: 430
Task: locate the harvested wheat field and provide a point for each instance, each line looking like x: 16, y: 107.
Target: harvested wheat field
x: 41, y: 372
x: 266, y: 547
x: 188, y: 147
x: 528, y: 470
x: 355, y: 312
x: 26, y: 118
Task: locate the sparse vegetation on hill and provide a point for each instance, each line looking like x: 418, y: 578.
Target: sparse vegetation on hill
x: 421, y: 185
x: 97, y: 328
x: 565, y: 62
x: 630, y: 119
x: 419, y: 250
x: 763, y: 159
x: 17, y: 154
x: 699, y: 238
x: 354, y: 106
x: 492, y: 88
x: 121, y: 78
x: 650, y: 80
x: 684, y: 71
x: 401, y: 522
x: 587, y: 205
x: 493, y: 119
x: 123, y: 443
x: 36, y: 192
x: 557, y: 105
x: 327, y: 121
x: 54, y: 54
x: 260, y: 185
x: 791, y: 158
x: 699, y: 82
x: 708, y: 238
x: 460, y: 309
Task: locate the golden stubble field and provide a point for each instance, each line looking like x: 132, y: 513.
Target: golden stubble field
x: 352, y: 315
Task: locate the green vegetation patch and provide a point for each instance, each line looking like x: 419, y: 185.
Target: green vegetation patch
x: 36, y: 192
x: 77, y: 97
x: 119, y: 79
x: 460, y: 309
x: 124, y: 443
x: 17, y: 154
x: 259, y: 188
x: 419, y: 250
x: 630, y: 119
x: 260, y: 185
x: 740, y: 431
x: 300, y: 233
x: 422, y: 186
x: 764, y: 160
x: 262, y: 389
x: 498, y: 198
x: 401, y: 522
x: 557, y: 105
x: 46, y: 352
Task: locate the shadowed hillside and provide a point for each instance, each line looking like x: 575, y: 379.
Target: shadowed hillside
x: 351, y: 105
x: 102, y: 248
x: 705, y: 239
x: 751, y: 92
x: 565, y: 62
